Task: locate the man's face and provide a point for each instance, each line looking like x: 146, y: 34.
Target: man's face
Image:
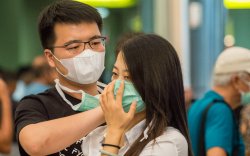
x: 68, y: 33
x: 245, y: 83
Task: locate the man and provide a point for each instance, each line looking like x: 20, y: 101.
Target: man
x: 231, y: 80
x: 49, y: 123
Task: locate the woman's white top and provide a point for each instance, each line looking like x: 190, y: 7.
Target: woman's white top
x: 170, y: 143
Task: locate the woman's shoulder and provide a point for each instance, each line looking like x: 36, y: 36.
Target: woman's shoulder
x: 173, y: 136
x: 171, y: 141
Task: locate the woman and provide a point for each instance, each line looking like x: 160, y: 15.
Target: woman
x: 150, y: 65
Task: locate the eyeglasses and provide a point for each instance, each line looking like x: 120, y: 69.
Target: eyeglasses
x: 77, y: 46
x: 246, y: 82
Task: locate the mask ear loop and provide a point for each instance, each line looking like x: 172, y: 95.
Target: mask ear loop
x: 145, y: 133
x: 56, y: 67
x: 59, y: 88
x: 247, y: 83
x: 99, y: 85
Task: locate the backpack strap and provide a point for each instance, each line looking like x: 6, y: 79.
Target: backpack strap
x: 201, y: 149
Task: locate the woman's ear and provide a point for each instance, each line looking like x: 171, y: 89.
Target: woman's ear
x: 49, y: 56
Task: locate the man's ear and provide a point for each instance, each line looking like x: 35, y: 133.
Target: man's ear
x: 49, y: 57
x: 235, y: 80
x: 53, y: 62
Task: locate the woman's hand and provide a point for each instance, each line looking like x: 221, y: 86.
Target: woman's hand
x: 117, y: 120
x: 115, y: 116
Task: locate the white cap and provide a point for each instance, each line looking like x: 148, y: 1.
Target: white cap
x: 233, y: 59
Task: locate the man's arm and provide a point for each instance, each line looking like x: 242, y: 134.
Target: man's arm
x: 52, y: 136
x: 219, y: 130
x: 6, y: 130
x: 216, y: 151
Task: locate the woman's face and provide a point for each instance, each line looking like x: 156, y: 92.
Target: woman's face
x: 120, y: 70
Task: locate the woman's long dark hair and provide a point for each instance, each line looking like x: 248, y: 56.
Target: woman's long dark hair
x: 155, y: 71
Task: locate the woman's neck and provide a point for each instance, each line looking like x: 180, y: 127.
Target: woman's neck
x: 137, y: 118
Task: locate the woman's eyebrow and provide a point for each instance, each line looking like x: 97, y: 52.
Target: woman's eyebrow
x: 125, y: 70
x: 115, y: 67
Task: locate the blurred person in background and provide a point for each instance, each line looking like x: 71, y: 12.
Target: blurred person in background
x: 213, y: 126
x: 25, y: 76
x: 6, y: 128
x: 10, y: 78
x: 245, y: 127
x: 50, y: 123
x: 39, y: 61
x: 245, y: 101
x: 189, y: 98
x: 44, y: 76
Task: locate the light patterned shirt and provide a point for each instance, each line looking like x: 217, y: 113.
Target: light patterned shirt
x: 171, y: 142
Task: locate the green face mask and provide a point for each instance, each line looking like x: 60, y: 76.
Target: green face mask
x: 245, y: 98
x: 90, y: 102
x: 129, y: 95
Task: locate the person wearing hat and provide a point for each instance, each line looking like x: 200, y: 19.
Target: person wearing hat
x: 213, y: 127
x: 245, y: 127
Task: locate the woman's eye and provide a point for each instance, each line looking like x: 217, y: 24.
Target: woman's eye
x: 126, y: 77
x: 114, y: 74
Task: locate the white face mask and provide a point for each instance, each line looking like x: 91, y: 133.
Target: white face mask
x: 84, y: 68
x: 245, y: 96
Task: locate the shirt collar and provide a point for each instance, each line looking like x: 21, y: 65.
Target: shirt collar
x: 132, y: 134
x: 135, y: 132
x: 214, y: 95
